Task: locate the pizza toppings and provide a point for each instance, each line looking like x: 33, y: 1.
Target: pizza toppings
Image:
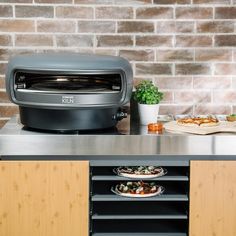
x: 139, y: 187
x: 231, y: 118
x: 198, y: 121
x: 140, y: 170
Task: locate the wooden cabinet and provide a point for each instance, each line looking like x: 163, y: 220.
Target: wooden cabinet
x: 51, y: 198
x: 44, y: 198
x: 212, y: 198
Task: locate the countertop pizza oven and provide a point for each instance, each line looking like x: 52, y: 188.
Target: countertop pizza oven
x: 69, y: 91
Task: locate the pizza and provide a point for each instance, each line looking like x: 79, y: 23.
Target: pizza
x: 140, y: 172
x: 231, y: 118
x: 137, y: 189
x: 198, y: 121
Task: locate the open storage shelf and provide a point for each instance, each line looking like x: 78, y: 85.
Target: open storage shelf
x: 164, y: 215
x: 180, y: 187
x: 172, y: 171
x: 119, y: 178
x: 132, y: 217
x: 163, y: 197
x: 142, y: 210
x: 139, y: 234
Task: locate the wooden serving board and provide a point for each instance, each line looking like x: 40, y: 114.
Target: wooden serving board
x: 223, y: 127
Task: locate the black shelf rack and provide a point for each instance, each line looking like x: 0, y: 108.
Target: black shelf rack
x: 164, y: 215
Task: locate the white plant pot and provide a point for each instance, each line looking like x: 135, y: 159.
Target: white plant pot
x: 148, y: 113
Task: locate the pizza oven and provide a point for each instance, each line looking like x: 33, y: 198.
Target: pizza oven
x: 69, y: 91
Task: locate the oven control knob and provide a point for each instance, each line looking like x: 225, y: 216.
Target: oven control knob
x: 120, y: 115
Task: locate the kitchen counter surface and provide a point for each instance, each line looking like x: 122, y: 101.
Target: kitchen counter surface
x: 126, y: 140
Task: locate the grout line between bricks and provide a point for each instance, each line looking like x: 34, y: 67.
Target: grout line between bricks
x: 134, y: 13
x: 54, y: 13
x: 214, y: 13
x: 14, y: 11
x: 120, y: 20
x: 120, y: 47
x: 124, y: 34
x: 123, y: 5
x: 94, y: 13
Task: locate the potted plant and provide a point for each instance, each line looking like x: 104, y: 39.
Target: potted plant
x: 148, y: 97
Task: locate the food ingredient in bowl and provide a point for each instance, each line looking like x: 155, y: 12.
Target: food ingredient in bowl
x: 155, y: 127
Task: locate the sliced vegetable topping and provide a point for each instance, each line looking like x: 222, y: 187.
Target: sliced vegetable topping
x: 140, y: 170
x: 139, y: 187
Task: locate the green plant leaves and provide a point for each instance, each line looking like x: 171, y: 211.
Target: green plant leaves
x: 147, y: 93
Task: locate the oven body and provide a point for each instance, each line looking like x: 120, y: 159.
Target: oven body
x: 69, y: 91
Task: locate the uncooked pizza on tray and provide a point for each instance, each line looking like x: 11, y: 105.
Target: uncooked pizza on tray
x: 140, y: 172
x: 137, y: 189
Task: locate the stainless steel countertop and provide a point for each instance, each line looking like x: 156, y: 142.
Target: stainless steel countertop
x: 130, y: 141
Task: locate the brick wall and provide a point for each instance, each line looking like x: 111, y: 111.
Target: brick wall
x: 187, y: 47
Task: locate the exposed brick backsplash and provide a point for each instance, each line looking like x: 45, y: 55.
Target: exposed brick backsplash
x: 225, y: 13
x: 5, y: 40
x: 194, y: 13
x: 192, y: 69
x: 153, y: 69
x: 16, y: 25
x: 8, y: 110
x: 96, y: 27
x: 154, y: 13
x: 34, y: 11
x: 215, y: 27
x: 186, y: 96
x: 114, y: 13
x: 6, y: 11
x: 32, y: 40
x: 154, y: 41
x: 175, y: 55
x: 2, y: 83
x: 193, y: 41
x: 186, y: 47
x: 3, y: 67
x: 213, y: 55
x: 3, y: 97
x: 211, y: 83
x: 225, y: 40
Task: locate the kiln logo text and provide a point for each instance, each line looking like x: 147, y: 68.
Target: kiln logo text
x: 67, y: 99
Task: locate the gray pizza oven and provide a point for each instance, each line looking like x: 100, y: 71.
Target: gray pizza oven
x: 69, y: 91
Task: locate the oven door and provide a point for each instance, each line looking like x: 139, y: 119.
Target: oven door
x: 77, y: 89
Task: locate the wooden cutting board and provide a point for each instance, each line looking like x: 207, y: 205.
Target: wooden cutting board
x: 223, y: 127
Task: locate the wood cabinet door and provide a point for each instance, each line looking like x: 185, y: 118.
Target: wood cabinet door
x: 44, y: 198
x: 213, y: 198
